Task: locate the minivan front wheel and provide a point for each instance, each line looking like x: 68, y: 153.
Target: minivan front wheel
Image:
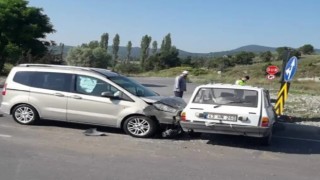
x: 25, y: 114
x: 140, y: 126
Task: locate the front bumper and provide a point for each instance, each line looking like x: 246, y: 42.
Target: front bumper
x: 163, y: 117
x: 226, y: 129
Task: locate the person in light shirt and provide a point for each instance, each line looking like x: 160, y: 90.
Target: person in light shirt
x: 180, y: 84
x: 242, y: 81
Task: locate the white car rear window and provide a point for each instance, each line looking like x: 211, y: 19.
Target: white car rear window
x: 225, y: 96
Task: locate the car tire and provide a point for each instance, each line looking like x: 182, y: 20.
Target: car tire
x: 140, y: 126
x: 25, y: 114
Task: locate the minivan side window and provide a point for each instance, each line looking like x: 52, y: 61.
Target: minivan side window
x: 44, y: 80
x: 52, y: 81
x: 23, y: 77
x: 92, y: 86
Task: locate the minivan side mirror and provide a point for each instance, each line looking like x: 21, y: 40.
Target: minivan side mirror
x: 107, y: 94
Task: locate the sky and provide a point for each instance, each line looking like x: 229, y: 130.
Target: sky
x: 198, y: 26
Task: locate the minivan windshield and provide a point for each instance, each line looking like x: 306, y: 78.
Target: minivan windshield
x: 132, y: 86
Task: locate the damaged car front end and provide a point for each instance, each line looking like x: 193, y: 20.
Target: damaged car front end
x: 166, y: 110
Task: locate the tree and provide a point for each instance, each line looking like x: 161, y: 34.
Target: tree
x: 23, y: 27
x: 104, y: 41
x: 129, y: 48
x: 307, y: 49
x: 166, y: 44
x: 154, y: 47
x: 115, y: 49
x: 283, y: 53
x: 88, y: 57
x: 244, y: 58
x: 168, y: 56
x: 266, y: 56
x: 145, y: 43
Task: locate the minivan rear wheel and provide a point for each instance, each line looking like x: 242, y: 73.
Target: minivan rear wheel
x: 25, y: 114
x: 140, y: 126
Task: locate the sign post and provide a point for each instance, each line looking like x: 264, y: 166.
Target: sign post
x: 287, y: 74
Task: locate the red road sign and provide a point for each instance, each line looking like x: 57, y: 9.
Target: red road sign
x: 272, y: 70
x: 270, y: 76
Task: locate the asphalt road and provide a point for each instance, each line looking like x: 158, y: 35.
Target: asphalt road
x: 58, y: 150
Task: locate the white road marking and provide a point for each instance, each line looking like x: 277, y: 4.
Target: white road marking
x: 5, y: 135
x: 299, y: 139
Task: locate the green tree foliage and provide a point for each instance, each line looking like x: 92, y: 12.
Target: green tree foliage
x: 104, y: 41
x: 170, y: 59
x: 168, y: 56
x: 145, y: 44
x: 93, y: 44
x: 266, y: 56
x: 21, y: 28
x: 307, y: 49
x: 286, y: 53
x: 129, y: 48
x: 166, y: 44
x: 115, y: 49
x: 220, y: 63
x: 89, y: 57
x: 244, y: 58
x: 154, y: 47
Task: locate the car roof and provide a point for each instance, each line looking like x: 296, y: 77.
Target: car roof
x: 230, y: 86
x: 104, y: 72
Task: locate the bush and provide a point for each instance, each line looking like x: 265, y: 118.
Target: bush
x: 198, y: 72
x: 6, y: 69
x: 129, y: 68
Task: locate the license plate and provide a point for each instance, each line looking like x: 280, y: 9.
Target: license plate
x: 223, y: 117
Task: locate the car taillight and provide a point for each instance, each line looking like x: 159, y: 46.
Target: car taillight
x: 183, y: 116
x: 4, y: 90
x: 264, y: 122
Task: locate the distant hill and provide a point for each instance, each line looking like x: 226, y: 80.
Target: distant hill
x: 135, y: 52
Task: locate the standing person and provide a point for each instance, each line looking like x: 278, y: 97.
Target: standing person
x: 242, y: 81
x: 180, y: 84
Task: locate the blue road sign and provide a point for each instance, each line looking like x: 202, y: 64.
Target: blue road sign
x: 291, y: 68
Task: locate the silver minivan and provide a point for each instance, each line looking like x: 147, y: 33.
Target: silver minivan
x: 86, y: 95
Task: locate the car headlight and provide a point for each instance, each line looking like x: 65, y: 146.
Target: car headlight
x: 163, y: 107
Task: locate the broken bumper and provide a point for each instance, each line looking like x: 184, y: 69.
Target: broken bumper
x: 162, y: 116
x: 225, y: 129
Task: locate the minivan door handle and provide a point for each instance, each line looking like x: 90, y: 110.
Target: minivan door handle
x: 76, y: 97
x: 58, y: 94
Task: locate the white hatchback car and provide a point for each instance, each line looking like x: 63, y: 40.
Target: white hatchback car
x: 230, y: 109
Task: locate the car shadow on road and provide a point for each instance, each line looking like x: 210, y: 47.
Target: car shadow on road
x: 287, y: 138
x: 70, y: 125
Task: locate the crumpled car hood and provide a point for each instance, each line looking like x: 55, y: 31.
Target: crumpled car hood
x: 174, y: 102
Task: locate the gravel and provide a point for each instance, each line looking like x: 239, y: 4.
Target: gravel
x: 303, y: 109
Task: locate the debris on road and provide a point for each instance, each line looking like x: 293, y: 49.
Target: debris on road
x: 94, y: 132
